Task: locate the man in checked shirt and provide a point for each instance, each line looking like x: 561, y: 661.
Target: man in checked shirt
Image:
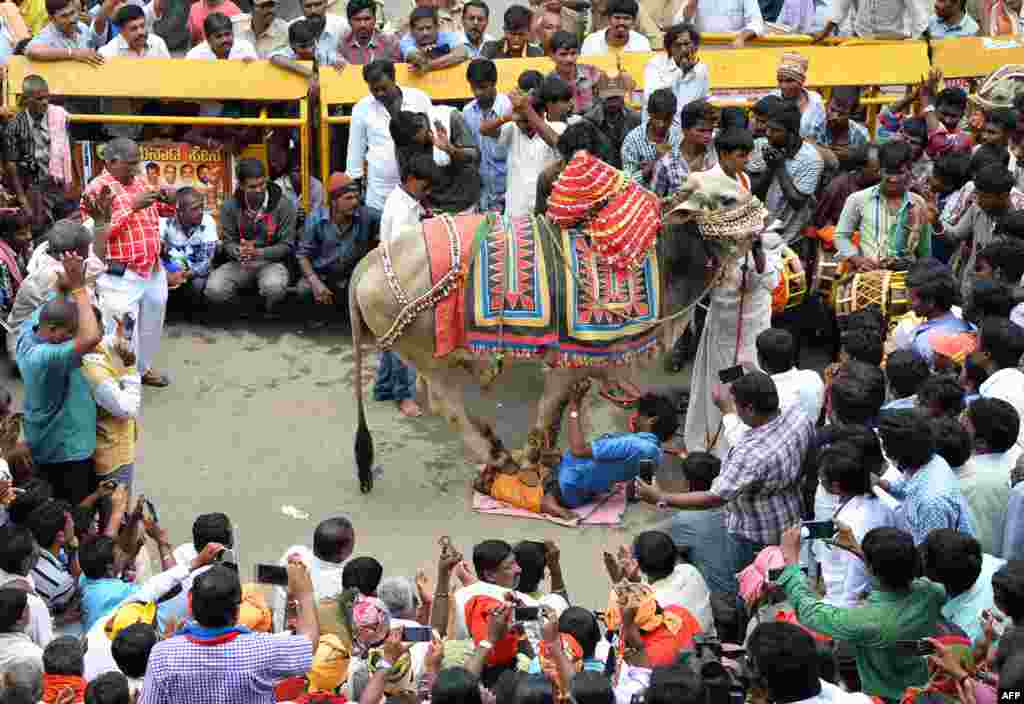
x: 135, y: 283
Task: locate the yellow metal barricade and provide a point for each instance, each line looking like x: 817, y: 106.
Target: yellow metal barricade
x: 174, y: 80
x: 973, y: 57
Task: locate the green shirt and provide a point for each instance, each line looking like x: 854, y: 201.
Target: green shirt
x: 873, y: 628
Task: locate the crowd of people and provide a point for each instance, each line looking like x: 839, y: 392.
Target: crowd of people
x: 843, y: 537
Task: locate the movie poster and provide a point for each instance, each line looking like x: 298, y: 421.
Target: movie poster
x: 170, y: 165
x: 178, y: 165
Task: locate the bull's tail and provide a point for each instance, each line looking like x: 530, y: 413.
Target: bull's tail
x: 364, y: 441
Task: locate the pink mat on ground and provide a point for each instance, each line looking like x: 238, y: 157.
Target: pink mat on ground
x: 605, y: 511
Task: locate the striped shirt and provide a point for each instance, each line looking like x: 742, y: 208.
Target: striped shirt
x: 637, y: 150
x: 53, y: 581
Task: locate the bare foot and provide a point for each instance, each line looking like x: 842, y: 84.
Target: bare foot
x: 409, y: 408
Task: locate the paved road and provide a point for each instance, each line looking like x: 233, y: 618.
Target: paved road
x: 262, y: 416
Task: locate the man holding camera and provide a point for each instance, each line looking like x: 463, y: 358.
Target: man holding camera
x: 135, y: 284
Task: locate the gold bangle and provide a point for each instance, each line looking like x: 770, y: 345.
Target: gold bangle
x: 74, y: 291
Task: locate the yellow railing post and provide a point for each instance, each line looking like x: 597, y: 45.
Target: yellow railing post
x: 325, y: 148
x: 304, y: 151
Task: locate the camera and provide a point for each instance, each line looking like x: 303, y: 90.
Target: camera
x: 724, y: 684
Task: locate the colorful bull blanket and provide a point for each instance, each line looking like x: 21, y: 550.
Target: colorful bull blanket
x: 531, y: 290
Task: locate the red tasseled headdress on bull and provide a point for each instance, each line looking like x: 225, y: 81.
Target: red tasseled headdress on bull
x: 621, y: 217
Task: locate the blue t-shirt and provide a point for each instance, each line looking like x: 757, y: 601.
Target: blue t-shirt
x: 446, y: 43
x: 616, y: 458
x: 60, y: 413
x: 102, y: 596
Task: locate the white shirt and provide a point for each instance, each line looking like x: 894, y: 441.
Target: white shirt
x: 597, y: 43
x: 325, y: 576
x: 369, y: 141
x: 400, y: 210
x: 662, y: 72
x: 844, y: 574
x: 527, y: 157
x: 985, y: 484
x: 801, y: 387
x: 18, y: 646
x: 1008, y: 385
x: 156, y: 48
x: 725, y: 16
x: 831, y: 694
x: 883, y: 18
x: 686, y: 587
x: 240, y: 50
x: 40, y: 624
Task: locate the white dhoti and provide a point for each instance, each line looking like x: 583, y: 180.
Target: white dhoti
x: 145, y: 300
x: 728, y: 339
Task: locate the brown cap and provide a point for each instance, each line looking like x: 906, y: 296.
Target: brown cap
x: 620, y: 85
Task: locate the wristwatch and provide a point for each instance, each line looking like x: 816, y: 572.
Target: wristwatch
x: 485, y: 645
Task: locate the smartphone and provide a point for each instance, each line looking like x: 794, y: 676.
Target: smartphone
x: 774, y: 574
x: 820, y: 530
x: 914, y: 647
x: 129, y: 326
x: 526, y: 613
x: 647, y: 469
x: 417, y: 634
x: 152, y: 511
x: 271, y: 574
x: 731, y: 374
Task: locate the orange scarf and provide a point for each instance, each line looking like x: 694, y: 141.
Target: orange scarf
x: 55, y: 684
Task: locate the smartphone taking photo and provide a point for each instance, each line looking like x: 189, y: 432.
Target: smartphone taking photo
x: 417, y: 634
x: 272, y: 574
x: 819, y: 530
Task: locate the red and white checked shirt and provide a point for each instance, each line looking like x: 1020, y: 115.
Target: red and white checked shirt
x: 134, y: 235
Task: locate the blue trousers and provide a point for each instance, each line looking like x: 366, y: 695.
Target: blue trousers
x: 395, y: 381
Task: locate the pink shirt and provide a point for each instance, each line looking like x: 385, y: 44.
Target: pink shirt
x: 197, y: 15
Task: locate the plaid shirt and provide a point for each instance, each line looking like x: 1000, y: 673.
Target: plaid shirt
x: 931, y: 499
x: 672, y: 170
x: 240, y: 671
x: 760, y: 478
x: 637, y: 149
x: 587, y: 77
x: 380, y: 46
x: 134, y: 235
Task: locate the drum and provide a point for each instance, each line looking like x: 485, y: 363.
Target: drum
x: 886, y: 289
x: 826, y: 274
x: 792, y: 288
